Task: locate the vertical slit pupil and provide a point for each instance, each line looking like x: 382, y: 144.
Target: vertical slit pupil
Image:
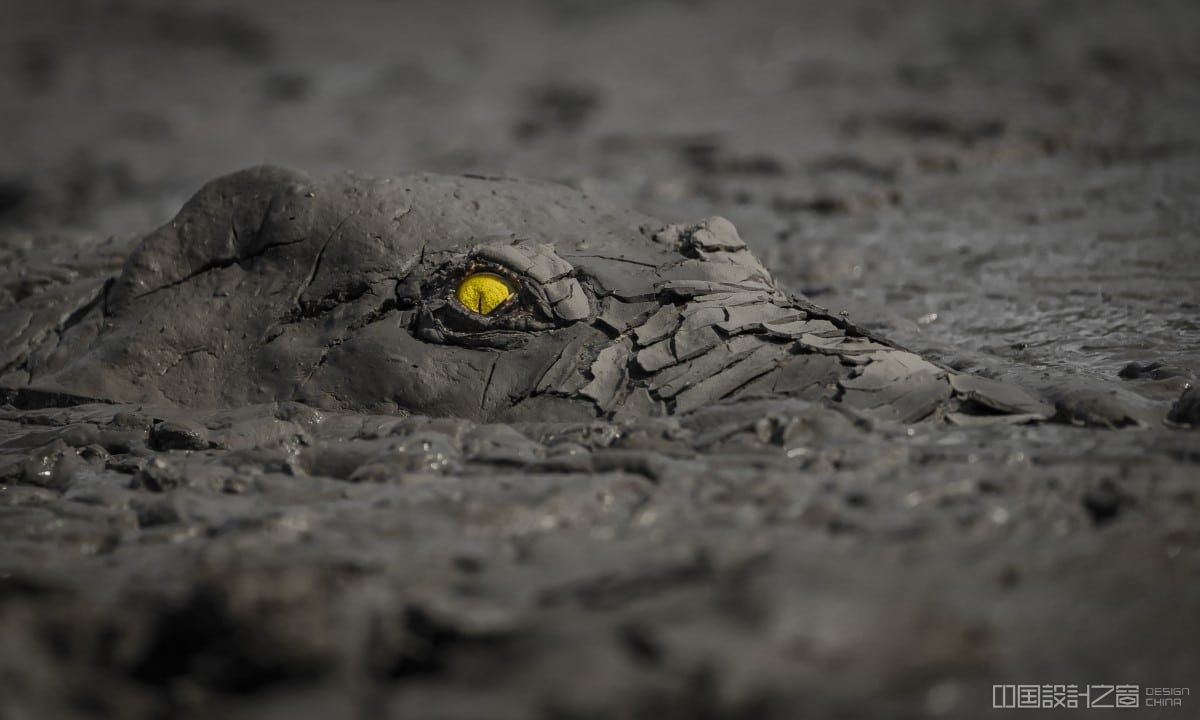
x: 483, y: 292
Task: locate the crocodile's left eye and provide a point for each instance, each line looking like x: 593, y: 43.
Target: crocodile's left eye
x: 483, y: 292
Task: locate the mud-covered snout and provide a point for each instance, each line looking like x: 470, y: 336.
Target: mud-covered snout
x: 349, y: 293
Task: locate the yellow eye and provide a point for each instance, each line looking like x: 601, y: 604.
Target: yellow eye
x: 483, y: 292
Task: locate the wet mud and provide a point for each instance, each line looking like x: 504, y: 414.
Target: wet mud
x: 922, y: 424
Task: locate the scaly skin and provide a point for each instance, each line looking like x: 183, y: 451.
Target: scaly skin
x: 341, y: 294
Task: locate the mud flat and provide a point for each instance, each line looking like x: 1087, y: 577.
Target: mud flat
x: 1007, y: 189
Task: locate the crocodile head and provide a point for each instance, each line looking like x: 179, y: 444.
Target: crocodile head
x: 487, y: 299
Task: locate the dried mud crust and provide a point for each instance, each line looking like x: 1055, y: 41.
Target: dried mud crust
x: 340, y: 293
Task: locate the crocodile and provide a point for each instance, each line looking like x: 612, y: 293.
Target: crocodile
x: 481, y: 298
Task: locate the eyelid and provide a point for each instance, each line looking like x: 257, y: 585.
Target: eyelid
x: 544, y: 279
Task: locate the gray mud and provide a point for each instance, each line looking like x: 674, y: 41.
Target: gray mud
x: 1008, y: 189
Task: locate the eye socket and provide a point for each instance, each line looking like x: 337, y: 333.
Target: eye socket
x: 483, y: 292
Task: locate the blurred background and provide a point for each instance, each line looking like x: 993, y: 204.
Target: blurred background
x: 982, y: 180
